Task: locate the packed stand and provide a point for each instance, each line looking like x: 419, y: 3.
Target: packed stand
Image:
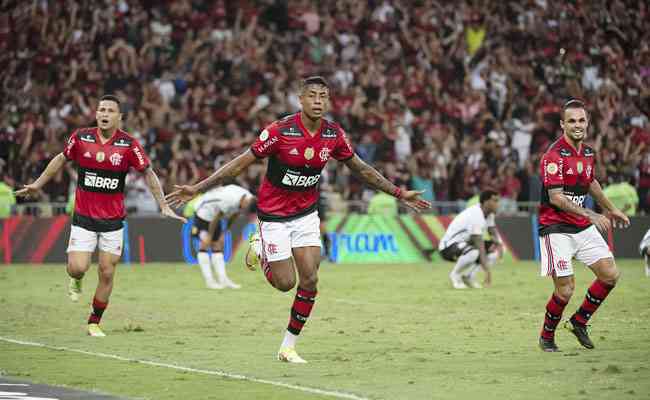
x: 450, y: 98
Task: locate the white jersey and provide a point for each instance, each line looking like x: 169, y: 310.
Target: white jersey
x: 645, y: 242
x: 224, y: 199
x: 469, y: 222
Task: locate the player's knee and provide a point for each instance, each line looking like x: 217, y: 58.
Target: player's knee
x: 284, y: 283
x: 565, y: 292
x: 309, y: 282
x: 76, y: 269
x: 611, y: 277
x: 106, y: 272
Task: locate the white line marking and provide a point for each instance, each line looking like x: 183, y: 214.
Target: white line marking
x: 13, y: 384
x: 332, y: 393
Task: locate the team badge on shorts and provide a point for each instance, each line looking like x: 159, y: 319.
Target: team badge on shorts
x: 579, y: 167
x: 100, y: 156
x: 551, y: 168
x: 309, y: 153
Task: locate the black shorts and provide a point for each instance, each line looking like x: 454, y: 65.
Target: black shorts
x: 451, y: 253
x: 201, y: 225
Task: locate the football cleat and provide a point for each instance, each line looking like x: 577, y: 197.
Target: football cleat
x: 252, y: 259
x: 230, y: 284
x: 471, y: 283
x: 548, y: 345
x: 288, y: 354
x: 95, y: 331
x: 580, y: 332
x: 457, y: 282
x: 74, y: 289
x: 214, y: 285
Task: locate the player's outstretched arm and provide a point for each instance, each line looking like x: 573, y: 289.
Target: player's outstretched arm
x: 619, y: 218
x: 184, y: 193
x: 53, y: 167
x: 559, y: 200
x: 375, y: 180
x: 156, y: 189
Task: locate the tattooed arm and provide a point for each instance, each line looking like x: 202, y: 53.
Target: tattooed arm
x: 153, y: 183
x: 374, y: 179
x: 561, y: 201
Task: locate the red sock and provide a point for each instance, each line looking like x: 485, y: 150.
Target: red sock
x: 596, y: 294
x: 98, y: 310
x: 554, y: 309
x: 302, y: 305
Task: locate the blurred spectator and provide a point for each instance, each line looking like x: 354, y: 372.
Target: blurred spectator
x: 464, y: 87
x: 7, y: 198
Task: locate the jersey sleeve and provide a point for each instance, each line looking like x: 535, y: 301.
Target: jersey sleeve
x: 267, y: 142
x: 343, y: 150
x: 71, y: 148
x: 137, y: 157
x: 552, y: 172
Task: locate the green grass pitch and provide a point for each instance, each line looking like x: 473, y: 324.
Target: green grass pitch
x: 376, y: 332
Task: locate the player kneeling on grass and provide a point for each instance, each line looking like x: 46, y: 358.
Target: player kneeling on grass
x: 103, y: 155
x: 644, y: 248
x: 213, y: 206
x: 464, y: 242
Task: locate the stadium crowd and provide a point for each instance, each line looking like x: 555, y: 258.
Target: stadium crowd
x: 451, y: 97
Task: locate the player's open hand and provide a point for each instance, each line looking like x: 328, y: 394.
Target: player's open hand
x: 168, y: 212
x: 602, y: 222
x: 181, y: 195
x: 619, y: 219
x: 28, y: 191
x: 414, y: 201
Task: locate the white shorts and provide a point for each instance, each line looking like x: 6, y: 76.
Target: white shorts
x: 559, y: 249
x: 278, y: 238
x: 84, y: 240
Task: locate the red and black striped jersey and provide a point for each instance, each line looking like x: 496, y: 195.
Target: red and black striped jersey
x: 102, y: 169
x: 573, y: 171
x: 290, y: 189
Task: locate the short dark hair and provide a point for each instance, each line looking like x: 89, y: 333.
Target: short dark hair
x: 112, y: 97
x: 487, y: 195
x: 313, y: 80
x: 573, y: 103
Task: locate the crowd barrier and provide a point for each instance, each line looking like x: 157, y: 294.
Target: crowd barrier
x: 354, y: 238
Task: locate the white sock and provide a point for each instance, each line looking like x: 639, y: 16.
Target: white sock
x: 219, y: 265
x: 464, y: 262
x: 204, y: 263
x: 491, y: 260
x: 289, y: 339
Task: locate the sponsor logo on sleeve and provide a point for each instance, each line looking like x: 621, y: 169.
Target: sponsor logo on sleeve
x: 264, y: 135
x: 139, y: 155
x: 265, y: 146
x: 551, y: 168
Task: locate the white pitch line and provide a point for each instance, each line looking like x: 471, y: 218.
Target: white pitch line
x: 332, y: 393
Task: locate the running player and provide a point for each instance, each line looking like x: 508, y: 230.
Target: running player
x: 464, y: 242
x: 225, y: 202
x: 568, y: 230
x: 103, y: 156
x: 298, y: 147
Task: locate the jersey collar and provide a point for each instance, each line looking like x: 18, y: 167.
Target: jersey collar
x: 305, y: 131
x: 570, y: 146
